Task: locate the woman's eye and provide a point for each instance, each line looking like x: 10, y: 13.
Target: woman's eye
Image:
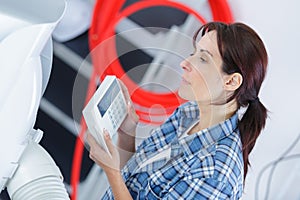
x: 202, y: 59
x: 191, y: 54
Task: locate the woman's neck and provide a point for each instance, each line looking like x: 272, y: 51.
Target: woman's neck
x: 213, y: 114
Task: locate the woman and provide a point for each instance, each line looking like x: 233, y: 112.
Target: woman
x: 201, y: 151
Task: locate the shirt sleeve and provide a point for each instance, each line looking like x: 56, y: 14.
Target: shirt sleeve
x: 198, y: 189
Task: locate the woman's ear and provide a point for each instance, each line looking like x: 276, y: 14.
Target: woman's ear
x: 233, y: 81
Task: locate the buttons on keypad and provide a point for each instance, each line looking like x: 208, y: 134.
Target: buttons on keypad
x: 117, y: 111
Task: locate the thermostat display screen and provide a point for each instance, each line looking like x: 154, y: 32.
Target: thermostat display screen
x: 108, y: 98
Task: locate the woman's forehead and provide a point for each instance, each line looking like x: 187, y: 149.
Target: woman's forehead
x: 208, y: 42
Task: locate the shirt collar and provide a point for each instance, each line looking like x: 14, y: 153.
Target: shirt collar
x: 196, y: 142
x: 190, y: 111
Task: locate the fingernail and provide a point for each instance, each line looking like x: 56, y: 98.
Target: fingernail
x: 105, y: 133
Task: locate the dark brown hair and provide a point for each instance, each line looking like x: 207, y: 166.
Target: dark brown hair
x: 243, y: 51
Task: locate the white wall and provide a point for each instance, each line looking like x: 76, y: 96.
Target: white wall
x: 277, y: 22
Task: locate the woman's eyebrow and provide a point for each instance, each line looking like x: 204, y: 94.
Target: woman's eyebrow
x: 204, y: 50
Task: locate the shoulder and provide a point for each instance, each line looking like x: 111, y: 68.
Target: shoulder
x: 229, y: 149
x: 221, y: 163
x: 228, y: 159
x: 221, y: 166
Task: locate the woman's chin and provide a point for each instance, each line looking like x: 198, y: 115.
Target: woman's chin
x: 183, y: 93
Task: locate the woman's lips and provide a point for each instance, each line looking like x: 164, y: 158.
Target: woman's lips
x: 184, y: 81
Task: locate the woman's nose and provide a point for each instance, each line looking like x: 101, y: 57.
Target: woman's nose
x: 185, y: 65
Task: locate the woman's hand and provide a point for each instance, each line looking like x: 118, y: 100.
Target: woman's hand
x: 119, y: 154
x: 110, y: 163
x: 127, y: 130
x: 130, y: 122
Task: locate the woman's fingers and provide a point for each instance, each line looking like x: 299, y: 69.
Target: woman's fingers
x: 132, y: 113
x: 95, y: 148
x: 125, y: 91
x: 111, y: 147
x: 105, y: 160
x: 130, y: 123
x: 91, y: 140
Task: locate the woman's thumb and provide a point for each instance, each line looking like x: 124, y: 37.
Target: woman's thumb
x: 108, y: 140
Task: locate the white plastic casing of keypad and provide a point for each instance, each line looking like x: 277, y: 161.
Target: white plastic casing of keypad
x: 105, y: 110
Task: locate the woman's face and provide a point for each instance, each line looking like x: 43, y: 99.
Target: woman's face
x: 202, y: 78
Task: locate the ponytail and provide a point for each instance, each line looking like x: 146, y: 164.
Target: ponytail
x: 250, y: 126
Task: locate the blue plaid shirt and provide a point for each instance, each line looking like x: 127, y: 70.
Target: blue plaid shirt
x: 204, y: 165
